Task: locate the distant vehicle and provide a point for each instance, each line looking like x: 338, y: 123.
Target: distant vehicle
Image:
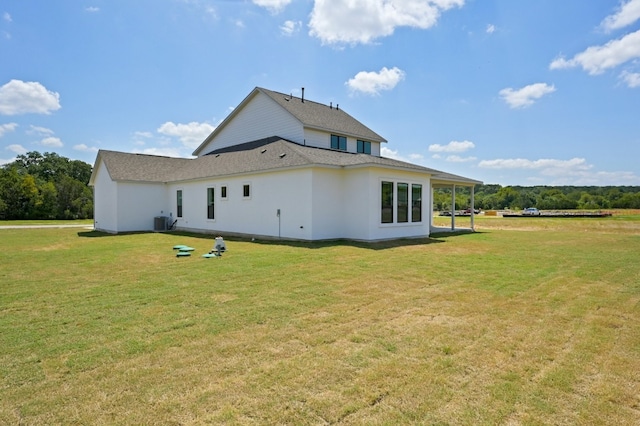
x: 531, y: 211
x: 445, y: 213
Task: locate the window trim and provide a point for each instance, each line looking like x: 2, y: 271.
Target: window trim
x: 224, y: 192
x: 245, y: 186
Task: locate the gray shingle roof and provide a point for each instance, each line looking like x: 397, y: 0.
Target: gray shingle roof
x: 253, y: 157
x: 323, y: 117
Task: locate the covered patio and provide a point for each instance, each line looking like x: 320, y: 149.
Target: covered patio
x: 452, y: 182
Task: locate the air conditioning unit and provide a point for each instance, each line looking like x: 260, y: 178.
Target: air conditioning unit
x: 160, y: 223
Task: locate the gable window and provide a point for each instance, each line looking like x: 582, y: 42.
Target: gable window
x: 416, y: 202
x: 223, y: 192
x: 179, y: 202
x: 403, y: 202
x: 210, y: 203
x: 246, y: 190
x: 339, y: 142
x: 387, y: 202
x: 364, y: 147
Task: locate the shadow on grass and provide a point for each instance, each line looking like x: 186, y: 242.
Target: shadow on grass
x: 375, y: 245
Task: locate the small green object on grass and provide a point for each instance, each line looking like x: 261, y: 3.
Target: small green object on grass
x: 179, y: 246
x: 183, y: 254
x: 208, y: 255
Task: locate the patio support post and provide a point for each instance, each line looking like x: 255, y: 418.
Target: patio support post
x: 453, y: 207
x: 431, y: 192
x: 473, y: 207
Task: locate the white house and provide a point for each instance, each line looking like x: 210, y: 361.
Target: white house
x: 278, y: 166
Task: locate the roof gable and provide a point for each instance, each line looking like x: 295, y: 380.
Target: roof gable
x: 310, y: 114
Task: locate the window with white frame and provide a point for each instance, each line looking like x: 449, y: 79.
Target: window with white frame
x: 401, y: 202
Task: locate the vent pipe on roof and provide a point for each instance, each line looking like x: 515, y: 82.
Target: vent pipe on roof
x: 302, y: 95
x: 330, y: 105
x: 337, y: 106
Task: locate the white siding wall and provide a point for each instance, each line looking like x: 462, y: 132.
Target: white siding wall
x: 260, y: 118
x: 315, y: 204
x: 138, y: 205
x: 317, y: 138
x: 327, y: 204
x: 105, y: 201
x: 359, y: 214
x: 288, y: 191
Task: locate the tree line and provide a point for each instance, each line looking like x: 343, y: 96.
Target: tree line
x: 497, y: 197
x: 45, y: 186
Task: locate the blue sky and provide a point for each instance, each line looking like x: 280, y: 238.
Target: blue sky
x: 528, y: 92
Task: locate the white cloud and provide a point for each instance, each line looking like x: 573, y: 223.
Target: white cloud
x: 458, y: 159
x: 545, y: 164
x: 7, y: 127
x: 372, y: 82
x: 203, y: 7
x: 39, y: 131
x: 7, y: 17
x: 627, y: 14
x: 51, y: 142
x: 274, y: 6
x: 84, y: 148
x: 413, y: 158
x: 17, y: 149
x: 597, y: 59
x: 575, y: 171
x: 362, y: 21
x: 191, y: 134
x: 491, y: 29
x: 145, y: 135
x: 19, y: 97
x: 453, y: 146
x: 165, y: 152
x: 526, y: 96
x: 92, y: 9
x: 290, y: 27
x: 631, y: 79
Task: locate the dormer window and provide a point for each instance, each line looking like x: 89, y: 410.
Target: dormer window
x: 364, y: 147
x: 339, y: 142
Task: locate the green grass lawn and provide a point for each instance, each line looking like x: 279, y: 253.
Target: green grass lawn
x: 527, y: 321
